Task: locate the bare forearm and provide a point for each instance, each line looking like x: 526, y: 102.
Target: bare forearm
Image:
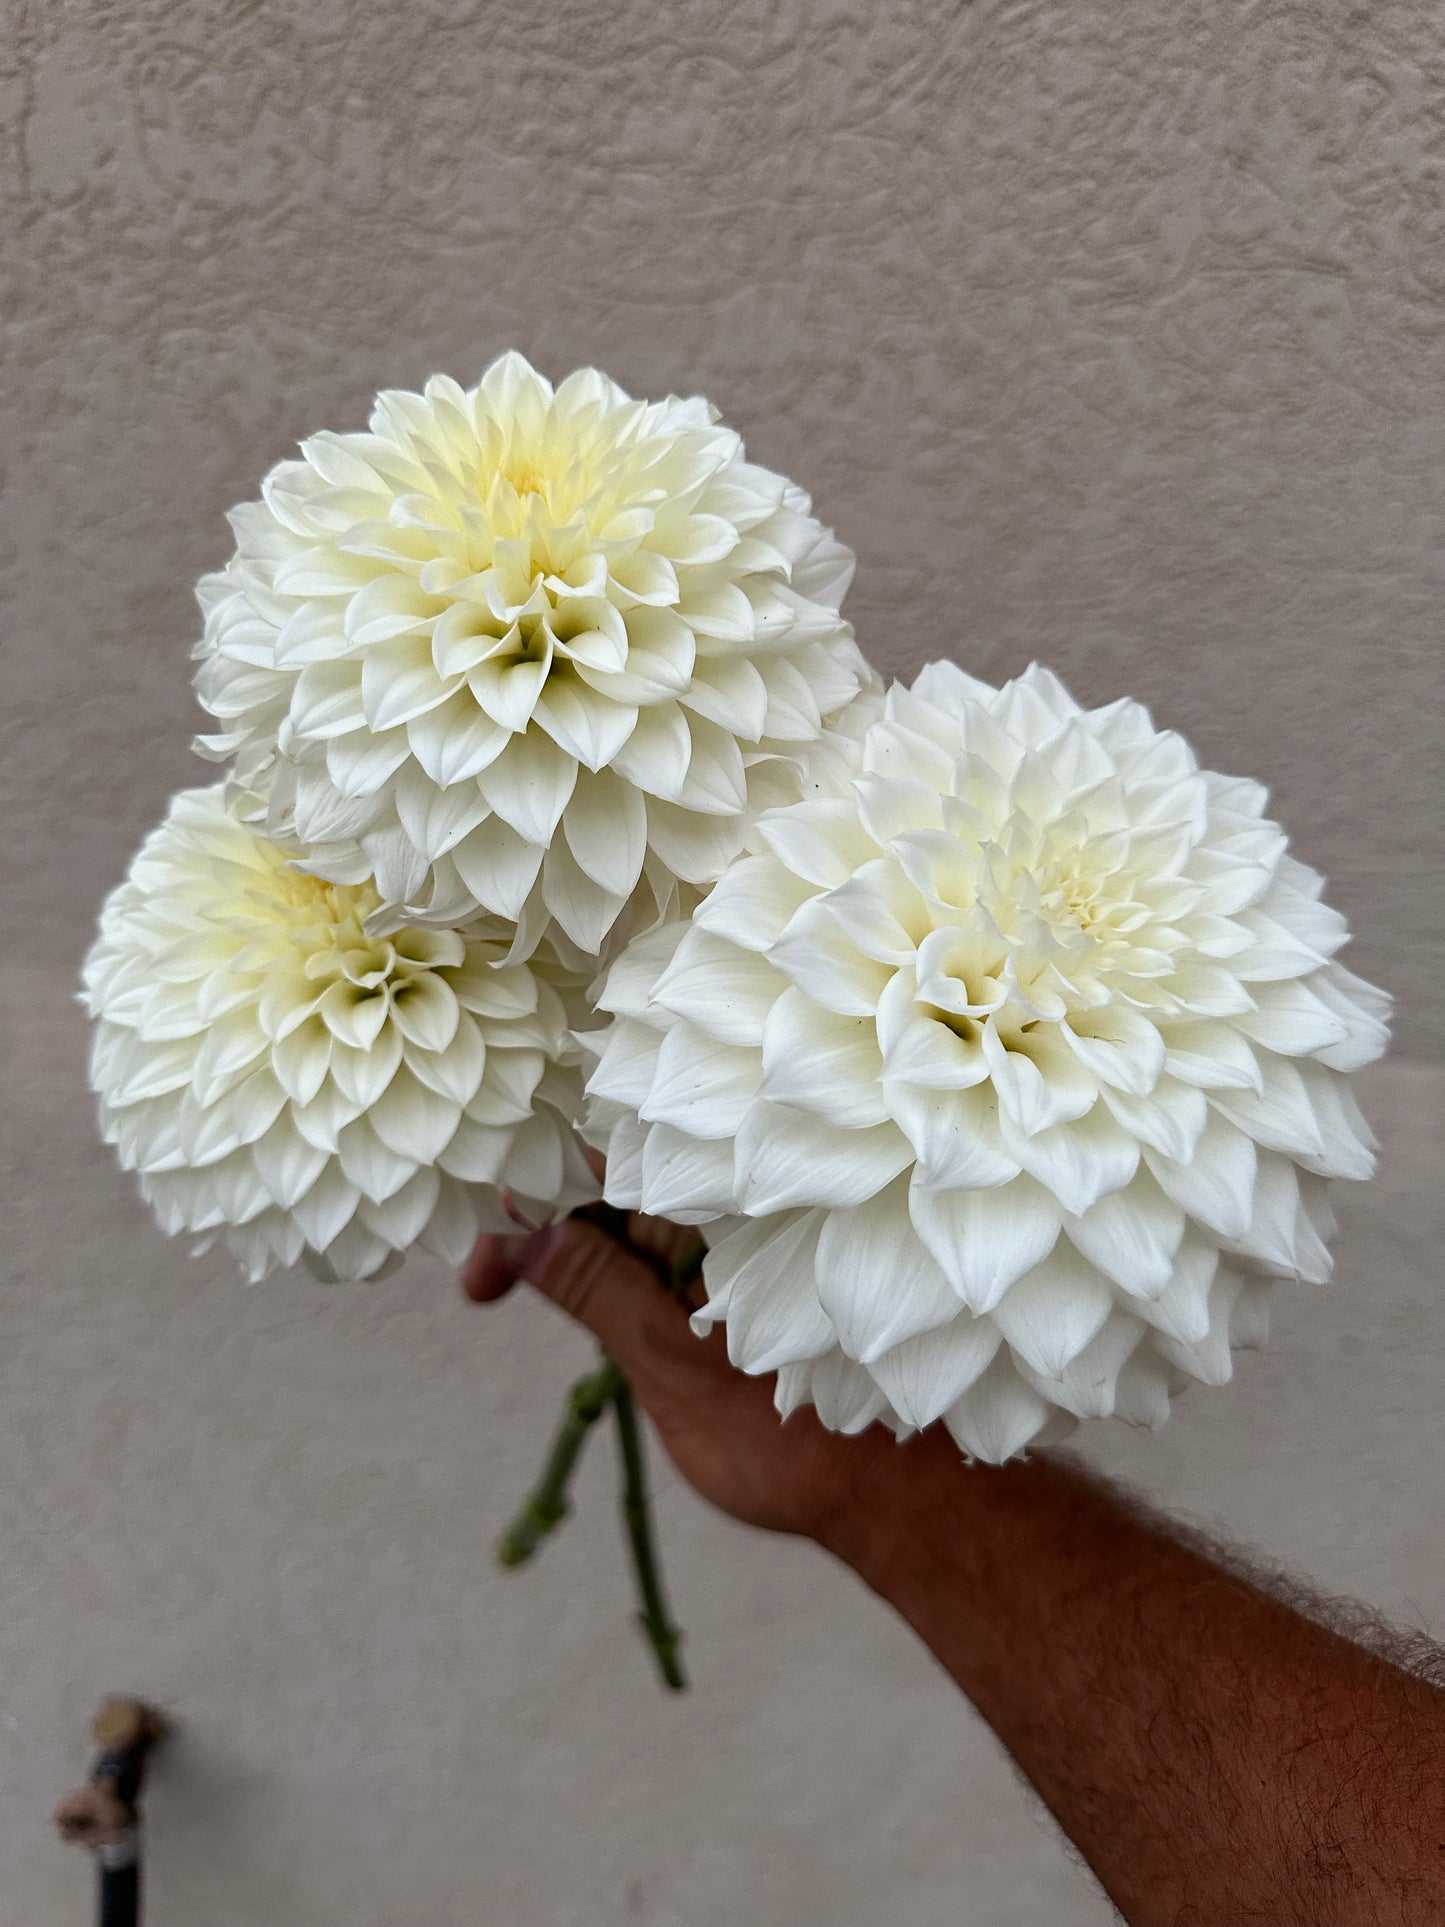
x: 1219, y: 1759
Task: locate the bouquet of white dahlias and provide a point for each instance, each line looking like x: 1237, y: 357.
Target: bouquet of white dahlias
x: 997, y: 1051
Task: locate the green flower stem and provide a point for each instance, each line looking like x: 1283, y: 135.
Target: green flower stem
x: 661, y: 1634
x: 548, y: 1503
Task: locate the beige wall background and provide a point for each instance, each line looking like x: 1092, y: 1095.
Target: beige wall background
x: 1111, y: 334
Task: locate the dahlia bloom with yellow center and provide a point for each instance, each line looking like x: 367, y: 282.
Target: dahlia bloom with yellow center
x: 1006, y: 1078
x: 523, y: 650
x: 298, y: 1088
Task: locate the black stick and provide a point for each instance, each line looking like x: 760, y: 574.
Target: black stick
x: 104, y: 1814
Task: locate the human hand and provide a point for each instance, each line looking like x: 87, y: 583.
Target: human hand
x: 718, y: 1426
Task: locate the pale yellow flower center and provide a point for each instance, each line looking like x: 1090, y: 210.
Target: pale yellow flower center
x: 324, y: 926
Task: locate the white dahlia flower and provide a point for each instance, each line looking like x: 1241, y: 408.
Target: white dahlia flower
x: 519, y: 647
x: 1018, y: 1068
x: 286, y: 1083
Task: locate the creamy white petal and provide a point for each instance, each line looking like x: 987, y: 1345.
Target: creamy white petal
x: 1088, y: 1386
x: 529, y: 786
x: 1079, y: 1162
x: 1215, y: 1185
x: 584, y: 911
x: 753, y: 903
x: 955, y: 1136
x: 405, y: 1215
x: 763, y: 1285
x: 686, y: 1178
x: 1181, y: 1310
x: 287, y: 1163
x: 787, y: 1158
x: 924, y: 1376
x: 725, y: 991
x: 998, y: 1416
x: 1290, y: 1018
x: 372, y: 1165
x: 627, y: 1062
x: 1142, y: 1389
x: 820, y: 1062
x: 985, y: 1240
x: 1050, y: 1314
x: 1281, y: 1116
x: 875, y: 1279
x: 499, y: 866
x: 606, y: 829
x: 693, y: 1082
x: 821, y: 842
x: 846, y: 1396
x: 1249, y: 1316
x: 830, y: 971
x: 1131, y: 1237
x: 1207, y: 1359
x: 1171, y: 1119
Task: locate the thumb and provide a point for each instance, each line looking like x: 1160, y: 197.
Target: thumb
x: 593, y: 1277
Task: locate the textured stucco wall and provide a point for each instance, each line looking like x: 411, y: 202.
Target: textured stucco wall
x: 1110, y: 333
